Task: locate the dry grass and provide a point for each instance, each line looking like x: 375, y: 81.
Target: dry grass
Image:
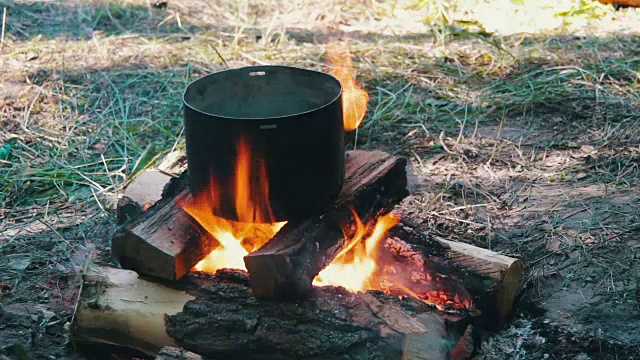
x: 524, y: 143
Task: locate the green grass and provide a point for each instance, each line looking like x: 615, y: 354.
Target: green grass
x: 130, y: 118
x: 79, y: 20
x: 134, y: 113
x: 91, y: 129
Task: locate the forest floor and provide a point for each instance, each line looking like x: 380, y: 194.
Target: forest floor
x: 522, y: 124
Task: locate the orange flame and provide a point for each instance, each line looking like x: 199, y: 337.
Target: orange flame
x: 354, y: 98
x: 354, y: 266
x: 360, y: 267
x: 255, y: 228
x: 364, y: 264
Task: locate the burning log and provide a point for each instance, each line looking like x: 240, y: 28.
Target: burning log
x: 225, y: 320
x: 165, y: 242
x: 284, y: 268
x: 441, y: 272
x: 491, y: 281
x: 159, y: 244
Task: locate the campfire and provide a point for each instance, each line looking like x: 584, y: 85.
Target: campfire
x: 356, y: 267
x: 315, y: 269
x: 256, y: 226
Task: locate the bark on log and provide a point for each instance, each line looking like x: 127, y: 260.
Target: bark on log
x: 226, y: 321
x: 172, y: 353
x: 165, y: 242
x: 285, y: 267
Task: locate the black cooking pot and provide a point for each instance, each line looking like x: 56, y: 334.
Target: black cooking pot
x: 290, y: 117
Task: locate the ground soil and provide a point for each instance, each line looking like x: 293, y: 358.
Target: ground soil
x: 520, y: 122
x: 580, y: 299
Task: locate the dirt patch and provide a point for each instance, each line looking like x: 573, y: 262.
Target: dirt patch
x: 40, y: 277
x: 524, y: 144
x: 569, y: 210
x: 586, y: 309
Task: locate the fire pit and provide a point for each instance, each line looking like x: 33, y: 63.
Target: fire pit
x: 342, y: 277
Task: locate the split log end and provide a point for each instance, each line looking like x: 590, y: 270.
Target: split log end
x: 505, y: 272
x: 164, y: 242
x: 116, y: 307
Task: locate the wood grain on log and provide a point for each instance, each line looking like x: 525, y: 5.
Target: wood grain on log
x: 165, y: 242
x: 225, y: 320
x: 117, y: 307
x: 285, y: 267
x: 503, y: 272
x: 146, y: 189
x: 174, y: 163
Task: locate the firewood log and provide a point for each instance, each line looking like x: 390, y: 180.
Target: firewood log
x: 118, y: 307
x: 493, y: 280
x: 166, y: 242
x: 217, y: 316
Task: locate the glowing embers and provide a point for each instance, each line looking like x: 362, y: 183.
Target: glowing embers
x: 405, y: 271
x: 372, y: 260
